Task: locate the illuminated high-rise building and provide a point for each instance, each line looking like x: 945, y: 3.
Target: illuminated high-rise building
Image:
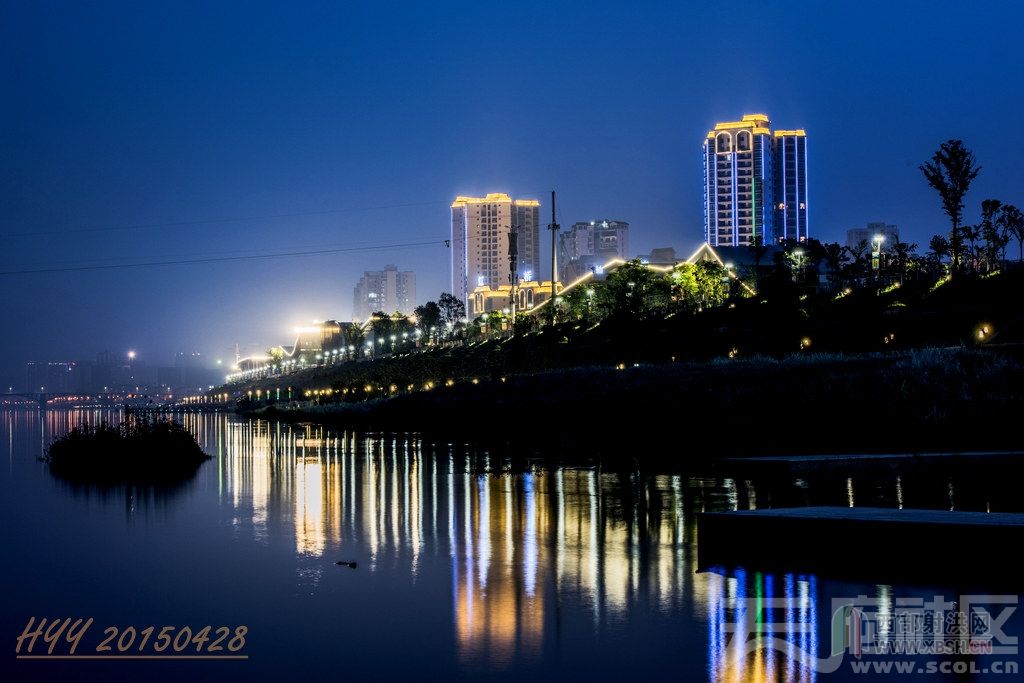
x: 755, y: 183
x: 791, y: 185
x: 480, y: 241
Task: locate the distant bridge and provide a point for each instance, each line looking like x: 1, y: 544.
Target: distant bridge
x: 43, y: 398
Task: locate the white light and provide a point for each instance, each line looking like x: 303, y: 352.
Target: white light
x: 528, y: 275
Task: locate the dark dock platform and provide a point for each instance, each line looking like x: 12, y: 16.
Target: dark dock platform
x: 858, y: 541
x: 797, y: 465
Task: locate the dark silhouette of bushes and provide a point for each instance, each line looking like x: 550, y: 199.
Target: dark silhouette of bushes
x: 140, y: 450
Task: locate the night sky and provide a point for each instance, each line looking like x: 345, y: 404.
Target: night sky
x: 143, y: 131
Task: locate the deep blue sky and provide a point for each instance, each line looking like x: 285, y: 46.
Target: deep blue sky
x: 143, y: 113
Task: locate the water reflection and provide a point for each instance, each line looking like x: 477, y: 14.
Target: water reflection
x: 514, y: 540
x: 530, y: 553
x: 743, y: 612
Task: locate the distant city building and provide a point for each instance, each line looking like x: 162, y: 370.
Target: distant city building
x: 856, y: 235
x: 755, y: 183
x: 660, y: 256
x: 61, y: 377
x: 387, y: 290
x: 589, y: 245
x: 529, y: 294
x: 191, y: 371
x: 480, y: 241
x: 108, y: 373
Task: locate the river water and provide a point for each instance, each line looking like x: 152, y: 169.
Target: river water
x: 469, y: 564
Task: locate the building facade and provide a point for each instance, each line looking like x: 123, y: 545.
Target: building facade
x: 480, y: 241
x: 791, y: 185
x: 60, y: 377
x: 854, y: 236
x: 387, y: 290
x: 755, y: 183
x: 529, y: 295
x: 589, y: 245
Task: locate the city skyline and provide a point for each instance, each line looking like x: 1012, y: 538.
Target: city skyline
x: 279, y: 147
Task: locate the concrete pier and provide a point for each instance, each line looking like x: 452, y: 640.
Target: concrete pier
x: 859, y: 541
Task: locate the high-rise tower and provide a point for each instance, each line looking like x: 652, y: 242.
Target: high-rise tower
x: 791, y: 185
x: 480, y: 234
x: 755, y: 183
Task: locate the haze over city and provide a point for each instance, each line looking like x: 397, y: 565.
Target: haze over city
x: 155, y: 132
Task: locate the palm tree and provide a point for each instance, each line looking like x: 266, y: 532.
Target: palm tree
x: 355, y: 334
x: 973, y: 234
x: 858, y: 257
x: 995, y: 239
x: 1011, y: 220
x: 902, y: 253
x: 950, y: 173
x: 938, y: 248
x: 835, y: 258
x: 758, y: 249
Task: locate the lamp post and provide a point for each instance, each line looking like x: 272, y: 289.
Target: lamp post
x: 876, y: 254
x: 799, y: 253
x: 553, y: 227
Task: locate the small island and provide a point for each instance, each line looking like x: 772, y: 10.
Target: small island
x: 140, y: 450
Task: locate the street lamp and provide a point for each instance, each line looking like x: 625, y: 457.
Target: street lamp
x: 876, y: 252
x: 799, y: 254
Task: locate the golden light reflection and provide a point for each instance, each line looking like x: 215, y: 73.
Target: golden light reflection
x: 514, y: 542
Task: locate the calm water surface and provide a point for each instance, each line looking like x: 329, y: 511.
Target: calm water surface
x: 467, y: 567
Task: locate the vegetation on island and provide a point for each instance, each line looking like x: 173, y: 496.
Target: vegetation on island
x: 141, y: 449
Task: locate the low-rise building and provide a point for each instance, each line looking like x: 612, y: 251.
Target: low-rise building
x: 530, y: 294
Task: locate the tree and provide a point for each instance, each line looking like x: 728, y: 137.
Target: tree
x: 972, y: 233
x: 995, y: 239
x: 634, y: 290
x: 710, y: 277
x: 453, y: 310
x: 429, y: 317
x: 938, y: 249
x: 386, y: 326
x: 578, y: 303
x: 759, y: 249
x: 858, y: 258
x: 382, y: 326
x: 1011, y: 221
x: 684, y: 285
x: 355, y: 334
x: 902, y: 254
x: 950, y: 173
